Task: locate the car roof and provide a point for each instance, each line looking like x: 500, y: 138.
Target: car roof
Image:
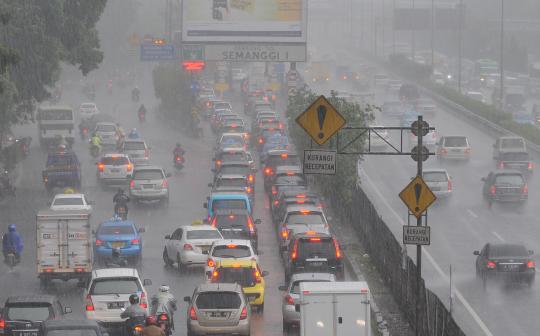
x: 115, y: 272
x: 115, y: 155
x: 217, y: 287
x: 309, y: 207
x: 31, y: 298
x: 70, y: 324
x: 57, y: 196
x: 435, y: 170
x: 313, y: 276
x: 238, y: 135
x: 105, y: 123
x: 199, y: 227
x: 112, y: 222
x: 230, y: 176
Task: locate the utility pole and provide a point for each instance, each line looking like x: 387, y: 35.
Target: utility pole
x: 413, y: 37
x: 432, y: 34
x: 460, y: 36
x: 383, y: 20
x: 419, y: 223
x: 501, y: 89
x: 393, y: 26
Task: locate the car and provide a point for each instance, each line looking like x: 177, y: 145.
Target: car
x: 72, y: 327
x: 229, y: 154
x: 429, y: 140
x: 123, y: 235
x: 505, y: 186
x: 237, y: 167
x: 285, y: 175
x: 189, y: 245
x: 63, y: 169
x: 222, y: 105
x: 227, y: 200
x: 218, y: 309
x: 299, y: 219
x: 313, y: 252
x: 246, y: 273
x: 108, y: 292
x: 137, y: 150
x: 476, y: 95
x: 237, y: 249
x: 108, y: 133
x: 508, y: 144
x: 275, y: 158
x: 439, y: 181
x: 287, y: 198
x: 292, y: 298
x: 233, y: 182
x: 114, y: 169
x: 70, y: 202
x: 88, y: 110
x: 516, y: 160
x: 260, y: 140
x: 279, y: 189
x: 454, y: 147
x: 236, y: 224
x: 25, y: 314
x: 523, y: 118
x: 273, y: 142
x: 228, y: 140
x: 149, y: 183
x: 512, y: 262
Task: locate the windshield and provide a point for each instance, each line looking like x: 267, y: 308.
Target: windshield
x: 242, y: 275
x: 512, y: 143
x: 134, y: 145
x: 115, y: 161
x: 30, y: 312
x: 155, y: 174
x: 315, y: 248
x: 115, y: 286
x: 509, y: 179
x: 228, y: 182
x: 435, y: 177
x: 115, y: 230
x: 455, y: 142
x: 307, y: 218
x: 231, y: 251
x: 72, y: 332
x: 218, y: 300
x: 68, y: 201
x: 507, y: 251
x: 106, y: 128
x: 229, y: 204
x: 203, y: 234
x: 231, y: 221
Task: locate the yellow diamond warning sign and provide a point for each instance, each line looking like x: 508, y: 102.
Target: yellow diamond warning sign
x: 321, y: 120
x: 417, y: 196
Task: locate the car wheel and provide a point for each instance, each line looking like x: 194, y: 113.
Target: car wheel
x: 260, y: 309
x: 166, y: 259
x: 286, y: 328
x: 181, y: 267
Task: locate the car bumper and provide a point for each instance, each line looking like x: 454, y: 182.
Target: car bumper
x: 255, y: 295
x: 113, y: 179
x: 442, y: 193
x: 509, y: 198
x: 193, y: 258
x: 513, y: 276
x: 242, y: 328
x: 107, y: 319
x: 149, y: 194
x: 456, y: 157
x: 290, y: 315
x: 105, y: 252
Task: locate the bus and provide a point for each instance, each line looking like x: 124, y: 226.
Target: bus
x: 55, y: 122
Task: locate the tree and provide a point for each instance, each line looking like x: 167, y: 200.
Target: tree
x: 172, y: 88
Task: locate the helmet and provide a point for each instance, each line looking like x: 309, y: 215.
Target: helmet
x: 164, y: 288
x: 120, y: 191
x: 116, y: 252
x: 134, y: 299
x: 151, y: 320
x: 12, y: 227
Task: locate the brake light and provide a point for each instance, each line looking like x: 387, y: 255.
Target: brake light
x: 129, y: 167
x: 443, y: 151
x: 311, y: 233
x: 250, y: 178
x: 2, y: 324
x: 131, y: 184
x: 493, y: 190
x: 144, y: 302
x: 315, y: 239
x: 232, y: 246
x: 250, y: 226
x: 338, y: 249
x: 530, y: 166
x: 305, y: 212
x: 193, y: 314
x: 257, y: 275
x: 99, y: 242
x: 165, y: 184
x: 268, y: 171
x: 163, y: 317
x: 491, y: 265
x: 243, y: 314
x: 215, y: 276
x: 248, y: 190
x: 188, y: 247
x: 290, y: 173
x: 289, y: 300
x: 449, y: 185
x: 294, y: 253
x: 89, y: 303
x: 261, y: 141
x: 301, y: 196
x: 274, y: 190
x: 501, y: 165
x: 530, y: 264
x: 210, y: 263
x: 284, y: 155
x: 300, y: 202
x: 525, y: 189
x: 214, y: 222
x: 101, y: 167
x: 138, y: 329
x: 284, y: 233
x: 135, y: 241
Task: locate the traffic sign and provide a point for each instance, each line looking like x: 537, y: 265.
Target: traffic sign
x: 152, y: 52
x: 321, y: 120
x: 416, y: 235
x: 425, y: 153
x: 417, y: 196
x: 192, y: 52
x: 292, y: 92
x: 292, y: 75
x: 319, y: 162
x: 424, y: 129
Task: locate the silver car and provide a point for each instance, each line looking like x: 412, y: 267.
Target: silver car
x: 453, y: 147
x: 290, y: 315
x: 137, y: 151
x: 107, y: 132
x: 438, y: 181
x: 149, y: 183
x: 218, y: 309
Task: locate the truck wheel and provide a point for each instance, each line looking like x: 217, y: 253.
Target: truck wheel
x: 43, y: 282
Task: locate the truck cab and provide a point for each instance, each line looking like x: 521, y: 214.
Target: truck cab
x: 63, y: 169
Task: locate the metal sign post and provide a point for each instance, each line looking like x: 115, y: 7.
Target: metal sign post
x: 419, y: 223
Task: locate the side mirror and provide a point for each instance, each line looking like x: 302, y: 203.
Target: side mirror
x: 141, y: 230
x: 210, y: 185
x: 168, y: 237
x: 187, y: 299
x: 168, y: 175
x: 147, y: 282
x: 67, y: 310
x: 205, y: 205
x: 258, y: 221
x: 476, y: 253
x: 283, y: 288
x: 264, y: 273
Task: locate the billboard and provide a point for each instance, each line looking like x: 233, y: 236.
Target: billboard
x: 281, y: 21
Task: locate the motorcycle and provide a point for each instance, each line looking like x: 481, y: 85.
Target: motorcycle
x: 179, y: 162
x: 164, y: 323
x: 94, y: 150
x: 135, y: 325
x: 11, y: 260
x: 142, y: 116
x: 121, y: 211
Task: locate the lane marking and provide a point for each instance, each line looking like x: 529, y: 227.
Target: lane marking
x: 460, y: 296
x: 498, y: 236
x: 472, y: 213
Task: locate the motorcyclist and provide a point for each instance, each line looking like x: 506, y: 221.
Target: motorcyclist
x: 142, y: 110
x: 164, y: 300
x: 116, y: 260
x: 96, y: 141
x: 121, y: 136
x: 135, y: 93
x: 120, y: 199
x: 12, y: 242
x: 134, y: 314
x: 134, y: 134
x: 178, y: 151
x: 152, y: 328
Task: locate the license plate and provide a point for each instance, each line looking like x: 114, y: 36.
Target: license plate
x: 456, y: 150
x: 315, y: 263
x: 115, y: 305
x: 115, y: 170
x: 25, y: 333
x: 118, y: 244
x: 511, y: 267
x: 148, y: 186
x: 218, y: 314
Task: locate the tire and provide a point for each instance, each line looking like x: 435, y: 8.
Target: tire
x: 260, y: 309
x: 286, y: 328
x: 181, y: 267
x: 166, y: 259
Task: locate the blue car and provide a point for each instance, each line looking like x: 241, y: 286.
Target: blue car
x: 118, y: 234
x: 276, y: 141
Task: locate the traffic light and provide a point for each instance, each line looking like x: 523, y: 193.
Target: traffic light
x: 159, y: 42
x: 193, y: 65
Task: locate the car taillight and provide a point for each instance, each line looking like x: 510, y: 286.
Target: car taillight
x: 493, y: 190
x: 449, y: 185
x: 531, y: 264
x: 339, y: 255
x: 525, y: 189
x: 193, y: 314
x: 294, y: 253
x: 284, y: 233
x: 214, y: 222
x: 276, y: 203
x: 129, y: 167
x: 268, y: 171
x: 163, y: 317
x: 101, y: 167
x: 2, y: 324
x: 165, y: 184
x: 188, y: 247
x: 135, y: 241
x: 243, y: 314
x: 131, y: 184
x: 249, y: 190
x: 144, y: 302
x: 289, y: 299
x: 491, y: 265
x: 257, y: 276
x: 89, y: 303
x: 99, y: 242
x: 210, y: 262
x: 215, y: 276
x: 501, y: 165
x: 251, y: 178
x: 530, y: 166
x: 274, y: 190
x: 251, y: 226
x: 467, y: 151
x: 444, y: 151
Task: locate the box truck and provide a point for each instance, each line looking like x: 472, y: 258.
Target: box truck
x: 334, y: 309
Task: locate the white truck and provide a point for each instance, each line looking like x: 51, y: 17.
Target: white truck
x: 55, y: 122
x: 334, y: 309
x: 64, y: 246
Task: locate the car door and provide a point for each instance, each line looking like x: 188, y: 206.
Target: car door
x: 172, y: 244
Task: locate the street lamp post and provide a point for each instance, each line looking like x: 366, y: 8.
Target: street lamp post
x: 501, y: 88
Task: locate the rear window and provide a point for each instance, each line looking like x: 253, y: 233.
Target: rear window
x: 115, y: 286
x: 148, y: 174
x: 308, y: 218
x: 106, y: 128
x: 232, y: 140
x: 295, y: 179
x: 115, y: 230
x: 238, y: 251
x: 218, y: 300
x: 512, y: 143
x: 508, y: 251
x: 435, y: 177
x: 515, y: 156
x: 228, y: 157
x: 509, y: 179
x: 29, y: 311
x: 242, y: 275
x: 229, y: 204
x: 61, y: 160
x: 68, y: 201
x: 278, y: 160
x: 236, y: 182
x: 455, y: 142
x: 115, y: 161
x: 134, y: 145
x: 203, y: 234
x: 315, y: 248
x: 72, y: 332
x: 231, y: 221
x: 242, y: 170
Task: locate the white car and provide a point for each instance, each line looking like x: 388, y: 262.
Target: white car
x: 107, y: 295
x: 88, y: 110
x: 238, y: 249
x: 189, y: 245
x: 108, y: 133
x: 114, y: 168
x: 70, y: 202
x: 429, y: 140
x: 439, y: 181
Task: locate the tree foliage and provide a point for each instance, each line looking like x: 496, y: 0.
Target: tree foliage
x: 172, y: 88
